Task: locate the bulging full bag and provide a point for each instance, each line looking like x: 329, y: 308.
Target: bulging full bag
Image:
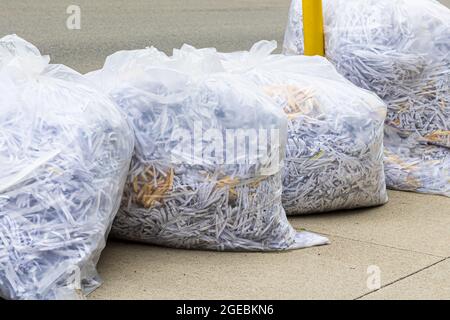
x: 401, y: 51
x: 209, y: 150
x: 334, y: 154
x: 64, y: 154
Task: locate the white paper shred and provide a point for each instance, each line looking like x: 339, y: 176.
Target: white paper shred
x: 64, y: 154
x: 401, y: 51
x: 174, y: 200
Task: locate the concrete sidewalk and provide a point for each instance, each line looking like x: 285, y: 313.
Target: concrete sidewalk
x: 408, y: 240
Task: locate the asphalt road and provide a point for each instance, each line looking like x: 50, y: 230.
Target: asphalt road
x: 111, y: 25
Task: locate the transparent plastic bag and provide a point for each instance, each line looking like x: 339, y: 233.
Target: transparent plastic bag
x: 193, y: 183
x: 64, y: 155
x: 401, y: 51
x: 334, y: 156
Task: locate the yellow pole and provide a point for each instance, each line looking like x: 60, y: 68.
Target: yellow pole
x: 313, y: 28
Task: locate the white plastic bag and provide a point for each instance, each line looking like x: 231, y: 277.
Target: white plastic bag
x: 401, y: 51
x: 334, y: 156
x: 191, y: 184
x: 64, y: 154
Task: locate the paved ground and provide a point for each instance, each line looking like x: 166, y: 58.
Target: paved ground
x: 111, y: 25
x: 408, y: 240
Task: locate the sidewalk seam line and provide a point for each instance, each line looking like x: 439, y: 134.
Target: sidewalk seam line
x: 379, y: 244
x: 401, y: 278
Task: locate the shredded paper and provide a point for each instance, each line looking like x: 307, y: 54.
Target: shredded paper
x: 189, y: 188
x: 334, y: 154
x: 64, y: 154
x: 401, y: 51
